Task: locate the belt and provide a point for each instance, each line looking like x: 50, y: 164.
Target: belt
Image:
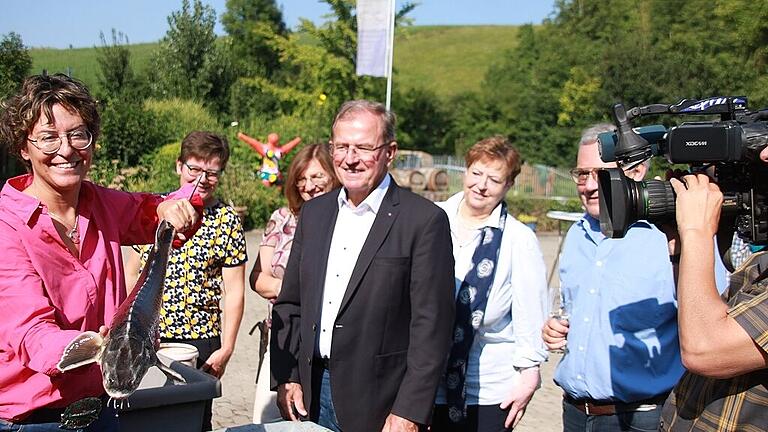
x: 600, y: 408
x: 322, y: 362
x: 42, y: 415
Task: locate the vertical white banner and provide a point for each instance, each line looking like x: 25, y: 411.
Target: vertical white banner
x: 374, y: 24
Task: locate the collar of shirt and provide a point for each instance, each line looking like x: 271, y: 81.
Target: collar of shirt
x: 21, y: 205
x: 372, y: 202
x: 591, y: 227
x: 453, y: 204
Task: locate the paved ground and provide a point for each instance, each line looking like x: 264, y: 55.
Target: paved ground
x: 235, y: 406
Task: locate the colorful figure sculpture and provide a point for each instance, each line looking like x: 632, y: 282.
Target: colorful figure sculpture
x: 271, y: 153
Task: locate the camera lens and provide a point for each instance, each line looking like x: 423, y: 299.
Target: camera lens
x: 624, y: 201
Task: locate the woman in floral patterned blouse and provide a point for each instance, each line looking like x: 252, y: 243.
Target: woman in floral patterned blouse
x: 208, y: 268
x: 310, y: 174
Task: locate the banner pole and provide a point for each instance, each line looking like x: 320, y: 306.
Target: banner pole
x: 390, y: 51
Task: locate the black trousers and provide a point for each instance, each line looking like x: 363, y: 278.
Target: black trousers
x: 480, y: 418
x: 205, y: 348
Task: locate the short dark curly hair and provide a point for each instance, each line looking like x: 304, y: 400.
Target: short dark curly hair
x: 38, y: 95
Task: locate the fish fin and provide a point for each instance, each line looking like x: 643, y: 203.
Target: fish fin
x: 170, y: 373
x: 84, y: 349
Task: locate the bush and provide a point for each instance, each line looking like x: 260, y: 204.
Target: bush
x: 128, y: 131
x: 535, y: 209
x: 157, y: 171
x: 247, y: 97
x: 239, y: 185
x: 177, y: 117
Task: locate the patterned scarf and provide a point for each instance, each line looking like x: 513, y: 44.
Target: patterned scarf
x: 470, y: 309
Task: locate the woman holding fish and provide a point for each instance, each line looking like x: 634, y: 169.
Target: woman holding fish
x: 61, y: 273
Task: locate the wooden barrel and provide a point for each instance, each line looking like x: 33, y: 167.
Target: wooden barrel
x: 409, y: 178
x: 417, y: 181
x: 436, y: 179
x: 401, y: 177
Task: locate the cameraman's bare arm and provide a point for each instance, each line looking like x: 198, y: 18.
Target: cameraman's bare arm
x: 711, y: 342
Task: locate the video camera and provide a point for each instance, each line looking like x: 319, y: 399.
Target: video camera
x: 731, y: 146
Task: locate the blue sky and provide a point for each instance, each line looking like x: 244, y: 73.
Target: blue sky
x: 59, y: 24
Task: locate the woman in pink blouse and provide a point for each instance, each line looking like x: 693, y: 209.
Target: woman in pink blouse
x: 310, y: 174
x: 61, y: 272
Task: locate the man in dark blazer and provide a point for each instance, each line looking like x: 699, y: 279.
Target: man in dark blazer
x: 362, y: 327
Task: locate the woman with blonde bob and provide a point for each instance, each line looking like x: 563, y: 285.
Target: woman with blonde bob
x: 493, y: 366
x: 310, y: 174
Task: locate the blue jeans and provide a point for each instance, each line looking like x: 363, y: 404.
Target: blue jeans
x: 107, y: 422
x: 575, y: 420
x: 327, y: 417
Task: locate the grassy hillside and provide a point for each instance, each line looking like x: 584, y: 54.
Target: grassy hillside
x: 449, y: 59
x: 82, y: 63
x: 446, y: 59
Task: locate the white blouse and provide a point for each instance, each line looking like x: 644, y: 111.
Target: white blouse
x: 509, y: 338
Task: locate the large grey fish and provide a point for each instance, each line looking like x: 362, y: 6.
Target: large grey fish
x: 129, y: 349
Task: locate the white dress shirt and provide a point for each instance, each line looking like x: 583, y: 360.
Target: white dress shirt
x: 349, y: 234
x: 510, y: 336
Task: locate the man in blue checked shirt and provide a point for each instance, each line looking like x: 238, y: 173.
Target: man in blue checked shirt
x: 623, y: 356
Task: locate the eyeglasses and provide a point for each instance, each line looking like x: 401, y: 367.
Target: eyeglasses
x: 196, y: 171
x: 580, y: 175
x: 51, y: 143
x: 362, y: 150
x: 318, y: 179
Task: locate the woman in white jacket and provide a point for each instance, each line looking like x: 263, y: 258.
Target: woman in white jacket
x: 501, y: 300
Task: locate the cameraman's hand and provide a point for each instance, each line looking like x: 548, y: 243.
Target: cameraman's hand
x: 554, y: 333
x: 670, y: 228
x: 698, y: 205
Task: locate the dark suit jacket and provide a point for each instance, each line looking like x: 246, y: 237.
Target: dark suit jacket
x: 393, y: 331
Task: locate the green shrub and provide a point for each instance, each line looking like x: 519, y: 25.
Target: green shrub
x: 247, y: 97
x: 177, y: 117
x: 528, y: 209
x: 239, y: 185
x: 156, y: 172
x: 128, y: 131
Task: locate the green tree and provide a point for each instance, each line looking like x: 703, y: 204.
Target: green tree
x: 15, y: 64
x: 422, y: 121
x: 317, y: 68
x: 116, y: 76
x: 127, y: 132
x: 189, y: 62
x: 252, y: 52
x: 472, y: 118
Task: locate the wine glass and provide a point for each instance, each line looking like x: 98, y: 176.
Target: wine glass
x: 560, y: 310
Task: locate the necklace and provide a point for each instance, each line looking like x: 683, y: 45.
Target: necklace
x: 73, y: 234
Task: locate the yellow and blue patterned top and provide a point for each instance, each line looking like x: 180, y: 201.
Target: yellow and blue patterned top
x: 193, y: 281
